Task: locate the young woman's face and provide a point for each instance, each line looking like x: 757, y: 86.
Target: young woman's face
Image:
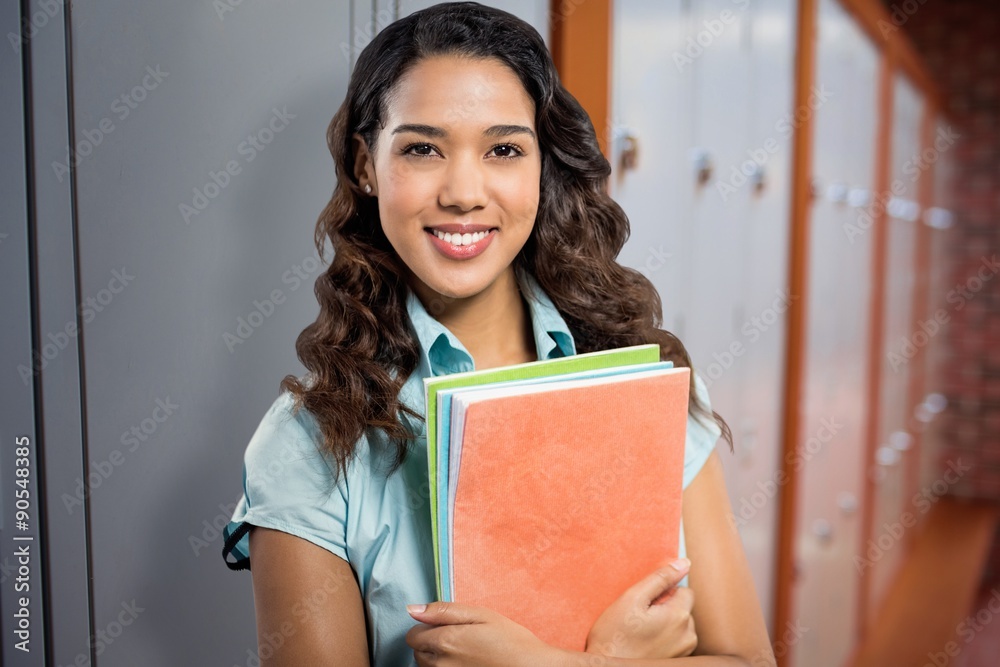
x: 458, y: 158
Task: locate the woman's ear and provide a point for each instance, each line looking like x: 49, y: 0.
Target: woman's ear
x: 364, y: 163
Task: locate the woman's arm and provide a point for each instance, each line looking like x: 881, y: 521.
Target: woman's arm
x: 308, y: 604
x: 727, y: 616
x: 727, y: 610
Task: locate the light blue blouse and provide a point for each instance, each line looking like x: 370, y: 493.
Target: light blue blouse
x: 381, y: 525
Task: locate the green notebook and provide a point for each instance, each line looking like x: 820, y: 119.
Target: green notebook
x: 625, y: 356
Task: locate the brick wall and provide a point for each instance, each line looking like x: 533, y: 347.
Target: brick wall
x: 960, y: 41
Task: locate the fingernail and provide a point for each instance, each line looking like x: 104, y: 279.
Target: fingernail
x: 415, y: 608
x: 681, y: 564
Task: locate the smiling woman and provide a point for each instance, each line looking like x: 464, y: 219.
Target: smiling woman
x: 451, y: 192
x: 472, y: 229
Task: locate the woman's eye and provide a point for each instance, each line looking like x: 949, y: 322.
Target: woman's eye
x: 506, y: 151
x: 421, y: 147
x: 511, y: 151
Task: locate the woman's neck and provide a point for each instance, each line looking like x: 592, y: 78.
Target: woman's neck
x: 494, y: 325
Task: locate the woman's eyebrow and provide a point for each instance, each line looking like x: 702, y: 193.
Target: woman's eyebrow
x: 437, y: 132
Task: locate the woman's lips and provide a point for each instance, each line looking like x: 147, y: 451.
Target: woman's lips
x: 468, y: 251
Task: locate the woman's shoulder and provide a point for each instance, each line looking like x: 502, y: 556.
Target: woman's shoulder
x: 702, y: 434
x: 286, y: 421
x: 288, y: 437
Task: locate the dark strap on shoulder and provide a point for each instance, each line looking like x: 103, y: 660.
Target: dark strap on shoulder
x: 230, y: 544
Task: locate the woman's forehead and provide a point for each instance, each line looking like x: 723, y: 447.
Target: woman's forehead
x: 459, y: 94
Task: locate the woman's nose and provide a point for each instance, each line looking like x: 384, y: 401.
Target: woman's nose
x: 464, y: 184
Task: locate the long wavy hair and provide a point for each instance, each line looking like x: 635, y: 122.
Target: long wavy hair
x: 361, y: 349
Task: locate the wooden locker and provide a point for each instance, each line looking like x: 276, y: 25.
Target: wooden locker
x: 831, y: 440
x: 939, y: 221
x: 894, y: 514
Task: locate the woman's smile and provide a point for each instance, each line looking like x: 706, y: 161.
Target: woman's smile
x: 461, y: 244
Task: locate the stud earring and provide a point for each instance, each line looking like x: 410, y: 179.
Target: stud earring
x: 368, y: 188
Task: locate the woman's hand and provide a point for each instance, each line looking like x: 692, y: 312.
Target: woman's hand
x: 452, y: 634
x: 638, y: 625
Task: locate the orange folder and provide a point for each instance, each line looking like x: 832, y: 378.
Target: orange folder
x: 567, y: 497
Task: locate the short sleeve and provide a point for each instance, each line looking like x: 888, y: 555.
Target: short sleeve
x: 288, y: 485
x: 702, y: 434
x: 701, y: 439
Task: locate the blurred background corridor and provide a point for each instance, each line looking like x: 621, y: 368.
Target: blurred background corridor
x: 813, y: 187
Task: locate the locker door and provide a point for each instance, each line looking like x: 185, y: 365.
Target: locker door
x: 717, y: 78
x: 894, y: 514
x: 22, y: 572
x: 939, y: 220
x: 648, y: 109
x: 762, y: 178
x: 200, y: 169
x: 199, y: 166
x: 831, y: 444
x: 714, y: 249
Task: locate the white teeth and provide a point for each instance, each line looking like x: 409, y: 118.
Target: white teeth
x: 460, y: 239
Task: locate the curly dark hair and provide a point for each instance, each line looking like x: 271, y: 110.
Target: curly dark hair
x: 361, y: 349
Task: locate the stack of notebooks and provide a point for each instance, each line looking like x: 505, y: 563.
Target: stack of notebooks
x: 556, y: 484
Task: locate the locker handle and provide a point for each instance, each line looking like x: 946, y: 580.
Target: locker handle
x: 887, y: 456
x: 900, y: 441
x: 847, y: 502
x: 823, y: 529
x: 858, y: 197
x: 702, y: 161
x: 837, y: 192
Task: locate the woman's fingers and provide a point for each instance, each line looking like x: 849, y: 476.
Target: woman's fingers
x: 450, y: 613
x: 680, y: 601
x: 430, y: 639
x: 652, y: 586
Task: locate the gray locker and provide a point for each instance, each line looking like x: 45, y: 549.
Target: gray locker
x: 158, y: 255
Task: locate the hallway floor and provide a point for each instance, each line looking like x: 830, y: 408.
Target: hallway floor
x: 979, y: 636
x: 943, y: 610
